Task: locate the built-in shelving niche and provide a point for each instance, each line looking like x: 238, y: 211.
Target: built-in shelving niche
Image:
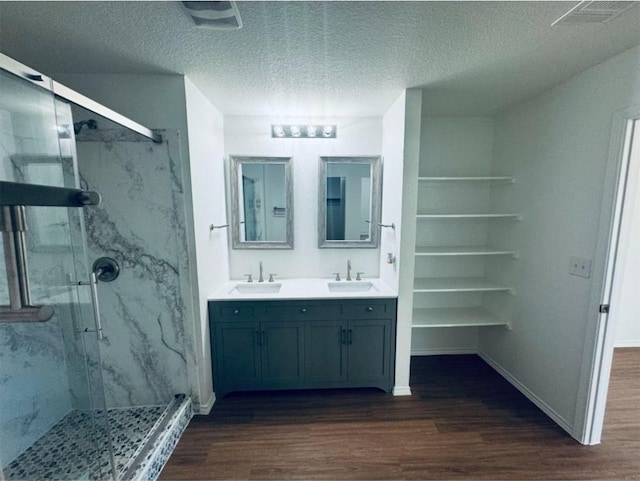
x: 449, y: 289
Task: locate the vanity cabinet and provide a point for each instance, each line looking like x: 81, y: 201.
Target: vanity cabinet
x: 252, y: 354
x: 355, y: 352
x: 239, y: 352
x: 277, y: 344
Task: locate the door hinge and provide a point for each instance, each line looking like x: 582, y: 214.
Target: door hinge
x: 604, y: 309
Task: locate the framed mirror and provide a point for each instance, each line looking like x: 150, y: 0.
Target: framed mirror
x: 261, y: 202
x: 349, y: 203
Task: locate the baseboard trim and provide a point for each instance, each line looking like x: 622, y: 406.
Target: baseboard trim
x: 627, y: 343
x: 401, y: 391
x: 204, y: 409
x: 548, y: 410
x: 438, y: 351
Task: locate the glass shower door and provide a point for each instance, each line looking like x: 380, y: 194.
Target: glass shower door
x: 52, y: 408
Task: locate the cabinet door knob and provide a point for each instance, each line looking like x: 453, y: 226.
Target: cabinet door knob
x: 369, y: 309
x: 303, y: 310
x: 236, y: 311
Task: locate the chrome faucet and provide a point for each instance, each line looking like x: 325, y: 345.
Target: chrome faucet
x: 260, y: 278
x: 349, y: 270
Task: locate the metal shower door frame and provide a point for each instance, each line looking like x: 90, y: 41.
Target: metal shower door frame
x: 70, y: 95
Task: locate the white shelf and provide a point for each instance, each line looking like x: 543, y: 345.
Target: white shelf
x: 462, y: 251
x: 469, y: 216
x: 457, y: 284
x: 455, y: 317
x: 467, y: 179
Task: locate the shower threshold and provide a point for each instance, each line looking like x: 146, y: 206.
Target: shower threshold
x: 143, y: 438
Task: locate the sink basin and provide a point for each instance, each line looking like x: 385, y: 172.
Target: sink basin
x: 350, y: 286
x: 257, y: 288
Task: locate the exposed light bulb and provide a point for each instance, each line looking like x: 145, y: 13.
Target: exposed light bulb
x: 327, y: 130
x: 311, y: 130
x: 278, y: 131
x: 295, y: 130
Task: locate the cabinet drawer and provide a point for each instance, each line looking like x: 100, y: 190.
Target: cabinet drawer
x: 302, y: 311
x: 368, y: 310
x: 230, y: 313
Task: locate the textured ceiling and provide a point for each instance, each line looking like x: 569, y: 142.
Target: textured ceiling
x: 324, y: 58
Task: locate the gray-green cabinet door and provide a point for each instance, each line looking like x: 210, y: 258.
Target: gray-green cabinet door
x: 237, y: 345
x: 369, y: 343
x: 282, y: 353
x: 326, y: 351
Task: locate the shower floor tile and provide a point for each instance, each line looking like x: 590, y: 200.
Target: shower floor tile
x: 68, y: 450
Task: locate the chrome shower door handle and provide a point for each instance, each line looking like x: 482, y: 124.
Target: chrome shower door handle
x: 96, y: 305
x: 105, y: 269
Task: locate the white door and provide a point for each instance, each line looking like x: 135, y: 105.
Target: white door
x: 625, y: 310
x: 617, y: 301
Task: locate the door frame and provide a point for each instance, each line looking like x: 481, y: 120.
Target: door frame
x: 599, y: 338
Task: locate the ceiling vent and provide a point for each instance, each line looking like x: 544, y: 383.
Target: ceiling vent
x: 214, y: 15
x: 593, y: 12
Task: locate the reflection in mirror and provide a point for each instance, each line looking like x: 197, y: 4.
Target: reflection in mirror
x: 349, y: 203
x: 261, y: 194
x: 262, y: 215
x: 348, y: 218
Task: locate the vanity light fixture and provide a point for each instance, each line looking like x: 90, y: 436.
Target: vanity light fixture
x: 296, y: 131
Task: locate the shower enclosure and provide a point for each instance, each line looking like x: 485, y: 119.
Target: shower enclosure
x: 66, y: 409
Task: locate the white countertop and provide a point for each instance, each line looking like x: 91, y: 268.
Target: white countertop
x: 303, y: 289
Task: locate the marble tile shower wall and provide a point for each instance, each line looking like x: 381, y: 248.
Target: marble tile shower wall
x: 34, y: 379
x: 147, y: 347
x: 34, y: 391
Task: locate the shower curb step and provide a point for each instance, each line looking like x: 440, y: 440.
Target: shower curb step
x: 149, y: 468
x: 147, y: 441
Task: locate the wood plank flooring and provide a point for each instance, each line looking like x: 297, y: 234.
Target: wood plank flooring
x: 463, y: 421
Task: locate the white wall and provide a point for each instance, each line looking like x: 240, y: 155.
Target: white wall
x: 557, y: 147
x: 206, y: 150
x: 401, y: 133
x: 625, y: 310
x: 251, y: 136
x: 393, y: 131
x: 456, y: 146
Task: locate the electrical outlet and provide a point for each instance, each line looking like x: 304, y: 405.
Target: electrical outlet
x: 579, y: 266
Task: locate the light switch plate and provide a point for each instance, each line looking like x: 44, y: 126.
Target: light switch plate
x: 579, y: 266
